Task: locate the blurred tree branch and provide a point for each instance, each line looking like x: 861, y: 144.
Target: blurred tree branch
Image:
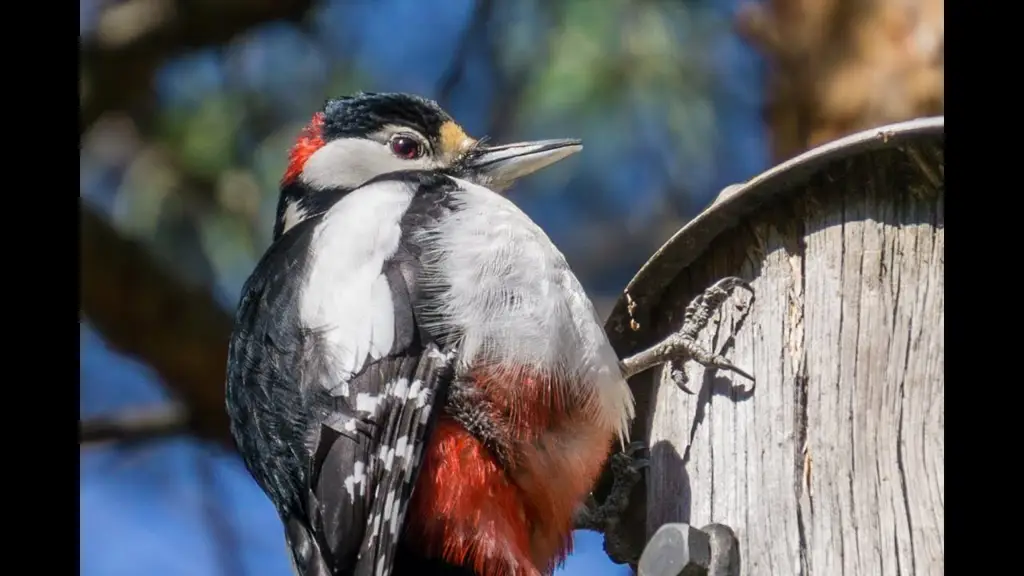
x: 134, y: 38
x: 478, y: 35
x: 134, y: 425
x: 144, y: 311
x: 840, y: 66
x: 475, y: 28
x: 511, y: 84
x: 140, y: 308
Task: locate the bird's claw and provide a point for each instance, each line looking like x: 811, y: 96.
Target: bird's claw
x: 635, y: 446
x: 679, y: 377
x: 683, y: 344
x: 626, y: 467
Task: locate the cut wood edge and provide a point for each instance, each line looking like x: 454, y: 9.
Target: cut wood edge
x: 689, y: 243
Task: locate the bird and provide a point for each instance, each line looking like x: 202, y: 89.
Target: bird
x: 416, y: 378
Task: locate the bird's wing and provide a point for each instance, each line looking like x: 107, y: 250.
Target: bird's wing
x: 363, y: 455
x: 370, y: 448
x: 386, y: 463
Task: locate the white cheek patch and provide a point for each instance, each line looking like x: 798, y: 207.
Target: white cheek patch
x: 349, y: 162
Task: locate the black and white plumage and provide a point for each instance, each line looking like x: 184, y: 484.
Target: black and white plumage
x: 396, y: 270
x: 328, y: 323
x: 350, y: 324
x: 402, y: 288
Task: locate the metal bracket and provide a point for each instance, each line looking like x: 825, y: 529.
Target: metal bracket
x: 682, y: 550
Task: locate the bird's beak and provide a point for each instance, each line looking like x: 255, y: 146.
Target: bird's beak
x: 498, y: 167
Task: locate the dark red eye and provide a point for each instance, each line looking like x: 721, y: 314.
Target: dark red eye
x: 405, y: 147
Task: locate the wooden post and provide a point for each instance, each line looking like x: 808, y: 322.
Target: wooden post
x: 832, y: 464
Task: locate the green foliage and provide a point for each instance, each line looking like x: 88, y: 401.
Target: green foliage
x: 147, y: 193
x: 228, y: 243
x: 203, y: 138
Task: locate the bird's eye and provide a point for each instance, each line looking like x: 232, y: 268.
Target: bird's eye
x: 406, y: 147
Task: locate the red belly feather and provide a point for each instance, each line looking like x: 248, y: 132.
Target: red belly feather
x: 471, y: 511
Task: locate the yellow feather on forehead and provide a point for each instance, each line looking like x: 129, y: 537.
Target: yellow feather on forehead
x: 454, y: 139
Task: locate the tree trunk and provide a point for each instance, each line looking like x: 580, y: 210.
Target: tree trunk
x: 839, y: 66
x: 833, y: 463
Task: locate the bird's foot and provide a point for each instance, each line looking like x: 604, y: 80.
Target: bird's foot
x: 682, y: 345
x: 606, y: 518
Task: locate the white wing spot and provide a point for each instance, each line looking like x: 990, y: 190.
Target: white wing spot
x: 414, y: 390
x: 395, y: 515
x: 388, y: 503
x: 375, y: 524
x: 423, y: 399
x: 358, y: 476
x: 400, y: 388
x: 367, y: 402
x: 424, y: 415
x: 435, y: 354
x: 401, y: 447
x: 418, y: 393
x: 341, y: 390
x: 387, y: 455
x: 410, y: 467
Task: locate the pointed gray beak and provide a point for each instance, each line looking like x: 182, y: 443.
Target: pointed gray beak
x: 498, y: 167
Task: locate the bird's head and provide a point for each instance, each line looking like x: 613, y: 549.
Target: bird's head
x: 356, y: 138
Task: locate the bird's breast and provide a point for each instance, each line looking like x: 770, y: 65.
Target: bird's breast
x: 501, y: 286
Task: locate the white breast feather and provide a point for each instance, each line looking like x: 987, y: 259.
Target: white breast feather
x: 346, y: 296
x: 509, y: 294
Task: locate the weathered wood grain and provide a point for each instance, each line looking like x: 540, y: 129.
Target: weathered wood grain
x: 833, y: 463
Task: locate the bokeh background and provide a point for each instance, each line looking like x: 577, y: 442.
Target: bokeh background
x: 188, y: 108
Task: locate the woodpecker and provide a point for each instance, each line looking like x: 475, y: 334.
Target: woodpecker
x: 416, y: 379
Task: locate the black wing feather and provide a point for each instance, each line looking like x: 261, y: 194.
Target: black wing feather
x: 340, y: 477
x: 408, y: 417
x: 359, y: 535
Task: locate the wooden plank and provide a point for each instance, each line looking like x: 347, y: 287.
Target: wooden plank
x: 832, y: 464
